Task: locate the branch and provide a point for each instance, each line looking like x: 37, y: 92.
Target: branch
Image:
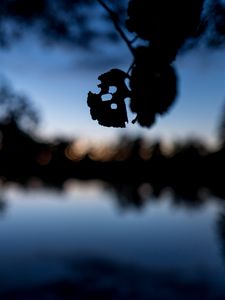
x: 114, y: 19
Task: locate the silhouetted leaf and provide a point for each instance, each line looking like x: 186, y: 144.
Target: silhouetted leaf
x: 153, y: 86
x: 109, y: 107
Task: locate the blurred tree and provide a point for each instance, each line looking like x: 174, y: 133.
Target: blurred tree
x: 221, y: 129
x: 19, y: 150
x: 16, y: 108
x: 65, y: 22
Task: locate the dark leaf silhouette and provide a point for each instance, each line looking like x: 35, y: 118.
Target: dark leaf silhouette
x: 153, y: 86
x: 108, y: 107
x: 166, y: 24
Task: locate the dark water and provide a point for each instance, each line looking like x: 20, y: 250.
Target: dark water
x: 83, y: 244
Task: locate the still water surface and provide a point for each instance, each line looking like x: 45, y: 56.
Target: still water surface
x: 82, y: 243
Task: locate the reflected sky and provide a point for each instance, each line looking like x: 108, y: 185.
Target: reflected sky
x: 45, y: 234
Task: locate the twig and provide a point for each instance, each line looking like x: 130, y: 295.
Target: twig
x: 131, y: 67
x: 113, y: 17
x: 134, y: 39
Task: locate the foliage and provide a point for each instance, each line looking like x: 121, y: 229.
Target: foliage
x: 163, y: 29
x: 16, y: 108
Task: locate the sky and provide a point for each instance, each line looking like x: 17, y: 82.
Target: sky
x: 57, y: 80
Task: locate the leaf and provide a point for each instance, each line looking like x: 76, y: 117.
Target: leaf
x: 108, y: 106
x: 153, y: 86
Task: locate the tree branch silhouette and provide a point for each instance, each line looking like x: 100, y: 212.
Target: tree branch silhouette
x: 164, y: 28
x: 113, y: 16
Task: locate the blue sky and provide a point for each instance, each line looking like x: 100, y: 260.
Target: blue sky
x: 58, y: 80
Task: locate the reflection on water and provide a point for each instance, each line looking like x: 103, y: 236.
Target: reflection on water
x: 88, y: 243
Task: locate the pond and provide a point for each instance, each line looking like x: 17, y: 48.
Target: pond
x: 90, y: 241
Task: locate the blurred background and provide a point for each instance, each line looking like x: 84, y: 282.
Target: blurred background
x: 93, y: 212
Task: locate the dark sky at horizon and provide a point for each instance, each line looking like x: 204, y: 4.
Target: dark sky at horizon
x: 57, y: 80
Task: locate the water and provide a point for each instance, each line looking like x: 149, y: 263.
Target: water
x: 90, y: 242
